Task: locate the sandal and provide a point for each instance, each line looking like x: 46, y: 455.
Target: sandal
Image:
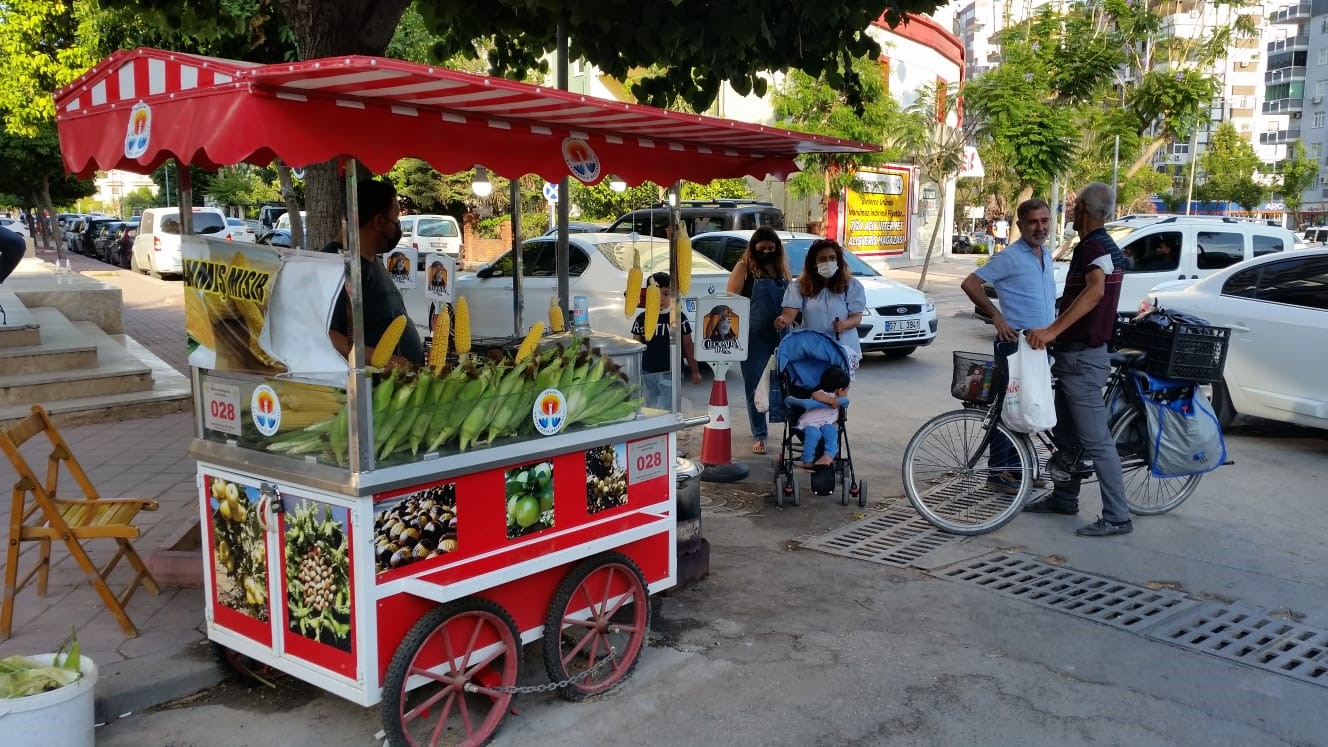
x: 759, y: 446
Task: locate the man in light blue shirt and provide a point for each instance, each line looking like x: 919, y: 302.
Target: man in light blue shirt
x: 1025, y: 283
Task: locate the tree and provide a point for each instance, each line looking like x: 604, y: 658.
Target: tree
x: 1229, y: 165
x: 1298, y: 174
x: 241, y: 186
x: 814, y: 104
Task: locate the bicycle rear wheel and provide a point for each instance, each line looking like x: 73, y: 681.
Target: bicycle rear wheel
x: 1145, y: 493
x: 946, y: 476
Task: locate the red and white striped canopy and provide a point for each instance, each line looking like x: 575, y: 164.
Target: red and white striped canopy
x: 137, y: 108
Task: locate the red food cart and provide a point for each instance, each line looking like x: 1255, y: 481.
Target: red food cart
x: 409, y: 574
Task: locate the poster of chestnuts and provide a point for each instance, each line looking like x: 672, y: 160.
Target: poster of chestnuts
x: 420, y: 526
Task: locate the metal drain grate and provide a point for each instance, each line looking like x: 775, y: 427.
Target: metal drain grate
x: 1104, y: 600
x: 897, y: 537
x: 1248, y: 635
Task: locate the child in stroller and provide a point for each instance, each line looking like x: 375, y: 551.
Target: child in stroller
x: 805, y: 357
x: 819, y: 421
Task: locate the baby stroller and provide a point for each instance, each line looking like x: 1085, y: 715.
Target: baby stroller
x: 802, y: 356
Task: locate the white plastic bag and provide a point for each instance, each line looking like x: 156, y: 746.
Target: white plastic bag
x: 1030, y: 404
x: 762, y: 393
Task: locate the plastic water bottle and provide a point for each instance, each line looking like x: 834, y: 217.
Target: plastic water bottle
x: 580, y: 315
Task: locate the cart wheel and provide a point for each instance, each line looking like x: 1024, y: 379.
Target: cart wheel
x: 438, y: 687
x: 780, y: 483
x: 599, y: 613
x: 793, y: 489
x: 245, y: 667
x: 860, y: 490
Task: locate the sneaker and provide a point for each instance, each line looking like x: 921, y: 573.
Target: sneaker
x: 1004, y: 482
x: 1059, y: 471
x: 1104, y: 528
x: 1047, y: 507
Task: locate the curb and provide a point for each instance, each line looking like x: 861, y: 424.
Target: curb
x: 147, y: 681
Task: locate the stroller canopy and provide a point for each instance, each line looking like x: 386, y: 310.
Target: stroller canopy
x: 804, y: 354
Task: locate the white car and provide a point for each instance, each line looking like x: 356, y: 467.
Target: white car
x: 431, y: 233
x: 1277, y: 309
x: 156, y: 249
x: 241, y: 230
x: 15, y: 225
x: 898, y: 320
x: 599, y: 263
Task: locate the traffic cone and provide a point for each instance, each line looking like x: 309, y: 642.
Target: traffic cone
x: 717, y: 439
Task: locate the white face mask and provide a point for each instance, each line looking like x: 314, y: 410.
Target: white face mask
x: 827, y: 269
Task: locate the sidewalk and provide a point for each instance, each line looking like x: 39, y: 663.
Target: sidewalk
x: 142, y: 458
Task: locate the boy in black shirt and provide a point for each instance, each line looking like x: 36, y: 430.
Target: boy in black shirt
x: 655, y: 360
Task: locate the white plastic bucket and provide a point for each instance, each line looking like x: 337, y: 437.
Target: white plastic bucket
x: 63, y: 716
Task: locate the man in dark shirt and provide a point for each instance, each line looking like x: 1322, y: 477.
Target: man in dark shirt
x: 1078, y: 340
x: 380, y: 230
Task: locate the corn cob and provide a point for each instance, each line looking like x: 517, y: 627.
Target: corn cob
x: 652, y: 310
x: 462, y: 324
x: 442, y: 328
x: 532, y: 339
x: 387, y: 344
x: 683, y: 283
x: 556, y: 322
x: 633, y: 294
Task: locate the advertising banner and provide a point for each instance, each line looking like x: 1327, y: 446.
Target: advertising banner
x: 876, y: 212
x: 401, y: 263
x: 228, y: 286
x: 721, y: 329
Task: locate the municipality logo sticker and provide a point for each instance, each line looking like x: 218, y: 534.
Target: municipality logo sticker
x: 265, y: 410
x: 550, y: 412
x: 138, y: 131
x: 581, y: 160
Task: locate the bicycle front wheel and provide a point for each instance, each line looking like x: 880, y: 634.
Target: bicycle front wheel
x: 1145, y: 493
x: 947, y: 478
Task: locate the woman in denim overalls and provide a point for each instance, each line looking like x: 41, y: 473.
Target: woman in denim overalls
x: 762, y: 275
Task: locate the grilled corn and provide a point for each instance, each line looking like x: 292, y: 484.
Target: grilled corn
x: 462, y: 323
x: 532, y: 339
x: 633, y: 294
x: 387, y: 344
x: 651, y: 319
x: 442, y: 329
x: 683, y: 283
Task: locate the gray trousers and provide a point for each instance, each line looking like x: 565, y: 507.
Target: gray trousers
x: 1081, y: 418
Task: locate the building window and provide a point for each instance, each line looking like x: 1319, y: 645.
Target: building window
x: 1320, y: 87
x: 1323, y: 56
x: 1318, y: 120
x: 1314, y: 150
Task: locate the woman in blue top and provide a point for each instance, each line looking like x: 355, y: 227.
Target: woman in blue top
x: 830, y: 298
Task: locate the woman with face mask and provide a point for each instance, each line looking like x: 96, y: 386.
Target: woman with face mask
x: 830, y: 298
x: 762, y: 275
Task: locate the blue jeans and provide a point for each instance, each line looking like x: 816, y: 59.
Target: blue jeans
x: 1002, y: 458
x: 658, y: 389
x: 813, y: 436
x: 759, y: 350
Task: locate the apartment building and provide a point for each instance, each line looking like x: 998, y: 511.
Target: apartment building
x: 1314, y: 201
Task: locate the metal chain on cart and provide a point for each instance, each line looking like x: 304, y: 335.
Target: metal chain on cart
x: 549, y: 687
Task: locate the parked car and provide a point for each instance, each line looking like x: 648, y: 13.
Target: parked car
x: 576, y: 226
x: 599, y: 263
x: 1200, y: 246
x: 16, y: 225
x: 157, y: 246
x: 1277, y: 308
x: 702, y: 217
x: 124, y: 243
x: 241, y: 230
x: 92, y: 232
x: 275, y: 237
x: 431, y: 233
x: 105, y: 242
x: 898, y: 320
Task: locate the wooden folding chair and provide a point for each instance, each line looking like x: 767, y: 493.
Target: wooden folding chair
x: 48, y: 517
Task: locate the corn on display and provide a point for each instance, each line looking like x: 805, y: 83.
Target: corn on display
x: 556, y: 322
x: 387, y: 344
x: 474, y: 402
x: 683, y: 283
x: 652, y: 310
x: 442, y: 329
x: 633, y: 293
x: 461, y: 335
x: 528, y: 345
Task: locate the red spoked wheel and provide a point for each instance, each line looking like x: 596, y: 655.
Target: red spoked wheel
x: 598, y: 621
x: 446, y: 683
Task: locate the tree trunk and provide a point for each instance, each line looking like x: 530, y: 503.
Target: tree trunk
x: 1147, y: 154
x: 292, y: 205
x: 1024, y: 194
x: 931, y: 245
x: 326, y: 28
x: 45, y: 209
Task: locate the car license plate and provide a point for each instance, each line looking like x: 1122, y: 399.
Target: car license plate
x: 906, y: 325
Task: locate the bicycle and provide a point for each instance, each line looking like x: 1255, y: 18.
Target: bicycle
x: 945, y: 463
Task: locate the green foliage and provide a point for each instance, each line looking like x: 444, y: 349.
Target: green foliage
x: 1298, y: 174
x: 602, y: 204
x: 241, y: 186
x: 30, y: 164
x: 719, y: 189
x: 1229, y: 165
x: 135, y: 201
x: 427, y: 191
x: 489, y: 228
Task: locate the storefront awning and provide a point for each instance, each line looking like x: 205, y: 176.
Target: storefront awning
x: 138, y: 108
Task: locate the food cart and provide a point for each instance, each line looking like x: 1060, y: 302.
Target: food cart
x: 398, y: 537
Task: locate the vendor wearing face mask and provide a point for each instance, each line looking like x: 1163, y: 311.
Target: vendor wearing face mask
x: 762, y: 276
x: 380, y: 231
x: 830, y: 298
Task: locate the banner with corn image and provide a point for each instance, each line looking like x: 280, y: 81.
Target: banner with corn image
x: 227, y: 292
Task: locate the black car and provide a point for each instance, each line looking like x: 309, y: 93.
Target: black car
x: 702, y: 217
x: 275, y: 237
x: 87, y: 244
x: 105, y: 244
x: 576, y: 226
x: 124, y: 243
